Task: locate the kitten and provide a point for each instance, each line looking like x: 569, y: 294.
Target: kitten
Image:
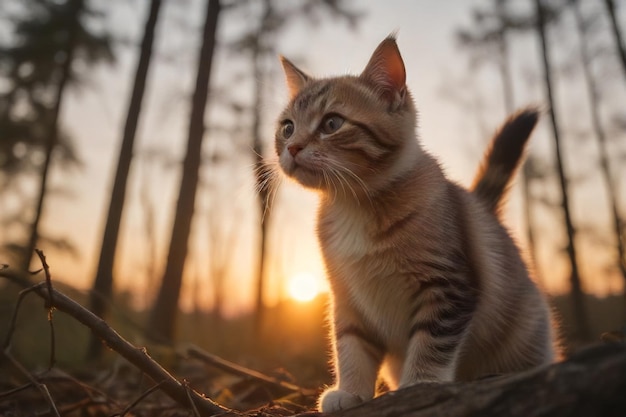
x: 427, y: 284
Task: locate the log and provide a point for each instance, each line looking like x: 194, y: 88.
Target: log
x: 590, y: 383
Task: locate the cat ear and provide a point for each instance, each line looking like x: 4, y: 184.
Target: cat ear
x: 296, y: 79
x: 385, y: 71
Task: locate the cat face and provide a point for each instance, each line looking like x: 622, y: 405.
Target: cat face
x: 343, y: 135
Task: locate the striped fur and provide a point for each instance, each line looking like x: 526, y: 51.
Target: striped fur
x: 503, y: 157
x: 427, y: 285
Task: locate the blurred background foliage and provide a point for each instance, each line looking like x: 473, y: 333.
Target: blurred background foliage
x: 133, y: 135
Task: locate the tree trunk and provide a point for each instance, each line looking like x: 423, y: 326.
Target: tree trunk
x: 164, y: 312
x: 102, y: 290
x: 509, y: 105
x: 576, y: 290
x: 617, y: 33
x: 65, y: 75
x: 600, y: 133
x: 260, y: 169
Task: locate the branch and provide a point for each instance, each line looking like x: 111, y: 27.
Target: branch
x: 592, y: 383
x: 176, y: 390
x: 235, y: 369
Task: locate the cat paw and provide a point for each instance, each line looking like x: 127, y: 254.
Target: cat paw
x: 334, y: 399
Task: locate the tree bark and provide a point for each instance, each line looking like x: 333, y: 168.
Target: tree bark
x: 509, y: 105
x: 164, y: 311
x: 260, y: 169
x: 617, y: 33
x: 65, y: 75
x: 600, y: 133
x: 102, y: 289
x: 591, y: 384
x: 576, y: 289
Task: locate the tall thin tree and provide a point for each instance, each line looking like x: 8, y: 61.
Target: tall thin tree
x: 482, y: 40
x: 576, y: 288
x: 37, y: 71
x: 102, y: 288
x: 509, y: 100
x: 260, y: 168
x: 164, y: 312
x: 617, y: 33
x: 260, y: 44
x: 601, y: 137
x: 75, y: 8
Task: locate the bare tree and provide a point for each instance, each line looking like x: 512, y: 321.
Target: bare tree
x: 261, y: 172
x: 576, y: 289
x: 102, y: 289
x: 260, y: 44
x: 75, y: 8
x: 617, y: 33
x: 489, y: 39
x: 164, y: 312
x: 601, y: 136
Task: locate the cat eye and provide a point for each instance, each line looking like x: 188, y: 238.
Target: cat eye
x: 287, y: 129
x: 331, y: 123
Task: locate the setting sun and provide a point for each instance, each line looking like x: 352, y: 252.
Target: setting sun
x: 303, y: 286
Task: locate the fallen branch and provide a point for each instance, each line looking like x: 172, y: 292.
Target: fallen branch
x: 135, y: 355
x: 591, y: 383
x: 43, y: 389
x: 235, y: 369
x: 49, y: 306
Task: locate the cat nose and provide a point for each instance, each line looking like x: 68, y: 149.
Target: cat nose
x: 294, y: 149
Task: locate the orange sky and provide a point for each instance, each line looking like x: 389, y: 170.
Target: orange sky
x: 455, y: 135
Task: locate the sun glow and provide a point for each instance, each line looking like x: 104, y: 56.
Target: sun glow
x: 303, y: 286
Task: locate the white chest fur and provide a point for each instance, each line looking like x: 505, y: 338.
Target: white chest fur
x: 345, y: 233
x: 371, y: 281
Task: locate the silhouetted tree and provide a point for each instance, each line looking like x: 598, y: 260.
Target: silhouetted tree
x: 36, y: 67
x: 488, y: 40
x: 102, y: 288
x: 164, y: 312
x: 62, y: 31
x: 617, y: 33
x: 601, y: 136
x: 576, y: 291
x: 260, y: 45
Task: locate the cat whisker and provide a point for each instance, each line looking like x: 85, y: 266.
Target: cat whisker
x: 337, y: 175
x: 330, y: 185
x: 340, y: 170
x: 268, y: 180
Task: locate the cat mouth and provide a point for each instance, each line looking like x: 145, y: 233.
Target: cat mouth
x: 305, y: 172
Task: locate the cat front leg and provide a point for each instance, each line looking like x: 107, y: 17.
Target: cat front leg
x: 429, y: 359
x: 358, y: 357
x: 435, y: 339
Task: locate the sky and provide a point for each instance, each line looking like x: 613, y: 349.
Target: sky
x: 438, y: 76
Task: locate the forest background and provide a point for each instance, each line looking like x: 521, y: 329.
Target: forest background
x: 133, y: 134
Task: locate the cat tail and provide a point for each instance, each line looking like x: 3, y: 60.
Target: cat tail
x: 503, y: 157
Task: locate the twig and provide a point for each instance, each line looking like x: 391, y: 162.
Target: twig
x: 188, y: 389
x: 41, y: 387
x: 137, y: 356
x: 80, y: 404
x: 143, y: 396
x: 16, y: 390
x: 21, y: 295
x: 89, y: 390
x: 233, y: 368
x: 49, y: 306
x: 44, y: 388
